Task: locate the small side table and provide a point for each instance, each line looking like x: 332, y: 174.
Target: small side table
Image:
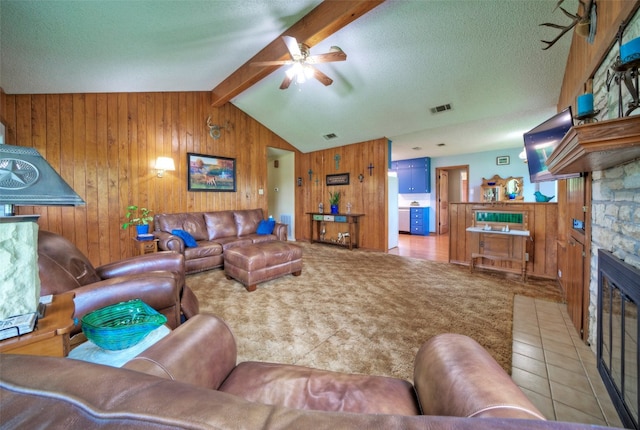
x: 51, y: 334
x: 145, y: 246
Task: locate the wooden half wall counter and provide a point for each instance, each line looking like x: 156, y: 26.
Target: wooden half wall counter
x: 543, y: 224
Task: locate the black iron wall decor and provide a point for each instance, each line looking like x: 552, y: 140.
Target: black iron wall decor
x: 624, y: 71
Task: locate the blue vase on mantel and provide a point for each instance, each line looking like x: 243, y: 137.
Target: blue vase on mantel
x: 334, y: 209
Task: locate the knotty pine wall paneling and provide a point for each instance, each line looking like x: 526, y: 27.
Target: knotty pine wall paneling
x: 367, y: 197
x: 105, y: 145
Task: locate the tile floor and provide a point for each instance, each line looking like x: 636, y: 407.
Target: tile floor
x: 555, y: 369
x: 550, y: 362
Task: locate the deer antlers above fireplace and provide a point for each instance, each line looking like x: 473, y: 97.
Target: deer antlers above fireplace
x: 581, y: 23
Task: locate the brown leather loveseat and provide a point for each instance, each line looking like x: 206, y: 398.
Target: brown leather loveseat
x: 190, y: 379
x: 213, y: 232
x: 453, y: 375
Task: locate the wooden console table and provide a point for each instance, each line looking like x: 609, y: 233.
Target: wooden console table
x: 353, y: 228
x: 51, y: 334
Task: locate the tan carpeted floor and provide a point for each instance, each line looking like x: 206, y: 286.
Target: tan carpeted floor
x: 365, y: 312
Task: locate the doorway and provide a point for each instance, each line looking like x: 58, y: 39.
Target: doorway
x: 281, y: 187
x: 452, y: 185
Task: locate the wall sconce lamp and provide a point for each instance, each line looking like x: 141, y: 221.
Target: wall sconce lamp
x: 214, y: 129
x: 164, y: 164
x: 361, y: 177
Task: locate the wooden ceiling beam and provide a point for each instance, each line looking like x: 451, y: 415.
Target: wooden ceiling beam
x: 327, y: 18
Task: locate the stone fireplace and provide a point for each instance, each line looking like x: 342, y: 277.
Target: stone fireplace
x: 615, y: 250
x: 615, y: 200
x: 615, y: 221
x: 617, y: 338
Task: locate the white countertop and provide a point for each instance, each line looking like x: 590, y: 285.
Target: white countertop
x: 510, y: 232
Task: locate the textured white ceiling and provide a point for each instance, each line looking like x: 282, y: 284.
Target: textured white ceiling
x: 484, y: 57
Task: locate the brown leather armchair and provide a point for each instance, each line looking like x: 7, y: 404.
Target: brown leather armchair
x: 157, y: 279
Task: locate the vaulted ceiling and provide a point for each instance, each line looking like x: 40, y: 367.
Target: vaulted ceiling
x: 404, y: 57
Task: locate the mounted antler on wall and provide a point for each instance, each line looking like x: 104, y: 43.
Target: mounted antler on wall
x: 214, y: 129
x: 583, y: 24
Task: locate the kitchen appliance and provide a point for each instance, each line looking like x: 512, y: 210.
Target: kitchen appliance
x: 404, y: 220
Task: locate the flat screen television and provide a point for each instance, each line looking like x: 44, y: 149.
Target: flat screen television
x: 541, y: 141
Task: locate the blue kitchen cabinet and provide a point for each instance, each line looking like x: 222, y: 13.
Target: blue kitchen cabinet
x: 414, y: 175
x: 420, y: 221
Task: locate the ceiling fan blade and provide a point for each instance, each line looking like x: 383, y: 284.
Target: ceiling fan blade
x: 328, y: 57
x: 286, y: 82
x: 326, y: 81
x: 271, y: 63
x: 292, y: 46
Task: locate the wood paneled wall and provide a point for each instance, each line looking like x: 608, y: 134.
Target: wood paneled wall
x: 543, y: 224
x: 105, y: 145
x: 368, y: 197
x: 2, y: 102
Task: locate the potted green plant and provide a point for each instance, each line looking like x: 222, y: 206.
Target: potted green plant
x: 334, y: 201
x: 139, y: 217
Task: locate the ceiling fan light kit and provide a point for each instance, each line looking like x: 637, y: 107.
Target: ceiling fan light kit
x: 302, y: 61
x: 301, y: 73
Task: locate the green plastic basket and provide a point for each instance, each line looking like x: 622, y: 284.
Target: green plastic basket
x: 122, y: 325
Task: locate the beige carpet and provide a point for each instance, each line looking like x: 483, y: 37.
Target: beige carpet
x: 365, y: 312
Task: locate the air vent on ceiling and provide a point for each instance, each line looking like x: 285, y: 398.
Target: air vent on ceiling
x: 330, y: 136
x: 441, y: 108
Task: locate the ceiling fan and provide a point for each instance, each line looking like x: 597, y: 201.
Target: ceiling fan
x: 302, y: 63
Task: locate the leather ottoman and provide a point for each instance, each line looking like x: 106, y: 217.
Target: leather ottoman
x: 261, y: 262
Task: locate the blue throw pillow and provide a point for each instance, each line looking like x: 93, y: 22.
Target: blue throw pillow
x: 266, y: 226
x: 189, y: 241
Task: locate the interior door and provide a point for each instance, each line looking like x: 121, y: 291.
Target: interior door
x: 576, y: 268
x: 443, y: 203
x: 575, y: 286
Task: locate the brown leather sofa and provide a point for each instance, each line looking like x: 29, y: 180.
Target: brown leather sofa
x: 213, y: 232
x: 157, y: 279
x: 190, y: 379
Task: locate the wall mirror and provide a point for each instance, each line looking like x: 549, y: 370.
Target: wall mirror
x: 513, y: 188
x: 497, y: 189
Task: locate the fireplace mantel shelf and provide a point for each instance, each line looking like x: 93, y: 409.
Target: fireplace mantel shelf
x: 597, y: 146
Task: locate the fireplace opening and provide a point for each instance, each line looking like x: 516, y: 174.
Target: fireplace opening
x: 617, y: 338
